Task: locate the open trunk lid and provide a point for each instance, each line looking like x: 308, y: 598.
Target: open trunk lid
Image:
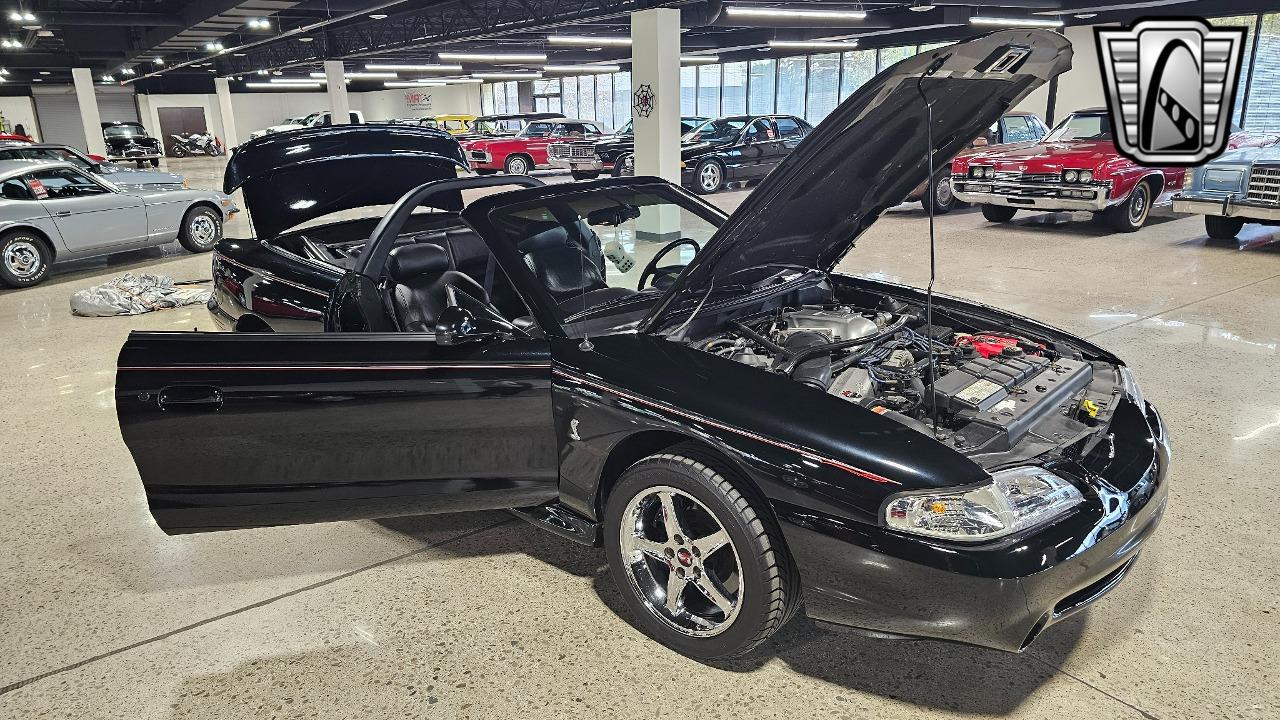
x: 292, y: 177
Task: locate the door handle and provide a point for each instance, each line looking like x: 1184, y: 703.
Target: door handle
x: 63, y: 213
x: 190, y: 398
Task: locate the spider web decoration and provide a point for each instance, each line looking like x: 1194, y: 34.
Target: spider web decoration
x: 643, y: 101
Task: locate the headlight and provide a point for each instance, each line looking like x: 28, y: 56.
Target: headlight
x: 1223, y: 180
x: 1131, y: 387
x: 1014, y: 500
x: 1070, y: 176
x: 978, y: 171
x: 1086, y: 176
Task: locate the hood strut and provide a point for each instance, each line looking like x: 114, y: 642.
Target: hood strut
x: 932, y: 194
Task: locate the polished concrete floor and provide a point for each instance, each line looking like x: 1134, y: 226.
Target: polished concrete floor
x: 481, y: 616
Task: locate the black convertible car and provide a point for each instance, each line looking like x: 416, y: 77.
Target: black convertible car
x: 741, y: 432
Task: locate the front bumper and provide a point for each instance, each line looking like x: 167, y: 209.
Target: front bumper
x: 1038, y: 196
x: 579, y: 164
x: 133, y: 153
x: 1000, y: 596
x: 1226, y: 207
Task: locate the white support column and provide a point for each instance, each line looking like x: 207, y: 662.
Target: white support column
x: 230, y: 138
x: 88, y: 101
x: 655, y: 65
x: 337, y: 79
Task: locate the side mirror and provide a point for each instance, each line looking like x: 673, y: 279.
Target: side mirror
x: 457, y: 325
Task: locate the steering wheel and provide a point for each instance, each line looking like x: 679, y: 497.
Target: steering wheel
x: 668, y: 271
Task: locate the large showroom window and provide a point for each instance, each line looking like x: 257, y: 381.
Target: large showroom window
x: 621, y: 98
x: 824, y: 86
x: 791, y: 85
x: 604, y: 101
x: 587, y: 97
x: 1262, y: 109
x: 733, y: 95
x: 857, y: 68
x: 709, y: 90
x: 569, y: 97
x: 762, y: 84
x: 688, y: 90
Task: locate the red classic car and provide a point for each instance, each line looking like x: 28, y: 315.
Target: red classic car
x: 521, y: 153
x: 1075, y: 167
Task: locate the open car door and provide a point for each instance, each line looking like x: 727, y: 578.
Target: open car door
x: 236, y: 430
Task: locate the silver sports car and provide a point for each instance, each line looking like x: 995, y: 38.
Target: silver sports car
x: 54, y: 211
x: 122, y: 177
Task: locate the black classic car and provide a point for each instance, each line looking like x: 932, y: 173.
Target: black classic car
x: 127, y: 140
x: 741, y: 432
x: 739, y: 148
x: 587, y: 159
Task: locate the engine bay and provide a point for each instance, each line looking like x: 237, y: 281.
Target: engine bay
x: 981, y: 390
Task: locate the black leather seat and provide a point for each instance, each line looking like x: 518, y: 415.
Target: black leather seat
x: 562, y: 266
x: 419, y: 275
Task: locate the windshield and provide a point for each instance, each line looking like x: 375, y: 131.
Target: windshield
x: 591, y: 250
x: 124, y: 131
x: 497, y: 127
x: 1082, y: 127
x: 718, y: 130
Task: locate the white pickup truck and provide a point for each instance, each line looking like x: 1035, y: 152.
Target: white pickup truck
x: 322, y: 117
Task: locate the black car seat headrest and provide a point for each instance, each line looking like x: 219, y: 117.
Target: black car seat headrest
x: 410, y: 261
x: 550, y: 235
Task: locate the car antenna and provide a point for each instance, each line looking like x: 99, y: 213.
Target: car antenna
x: 933, y: 257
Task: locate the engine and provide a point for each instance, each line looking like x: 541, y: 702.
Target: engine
x: 987, y: 389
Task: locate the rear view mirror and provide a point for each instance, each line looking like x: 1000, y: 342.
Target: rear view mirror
x: 613, y: 216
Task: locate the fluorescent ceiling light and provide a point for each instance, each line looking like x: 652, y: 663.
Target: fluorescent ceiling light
x: 17, y: 16
x: 920, y: 6
x: 587, y: 40
x: 127, y: 71
x: 402, y: 84
x: 259, y: 23
x: 213, y: 46
x: 814, y: 44
x: 507, y: 76
x: 796, y: 14
x: 10, y: 43
x: 423, y: 66
x: 158, y: 61
x: 695, y: 59
x: 1014, y: 22
x: 283, y: 86
x: 359, y: 75
x: 460, y: 81
x: 378, y: 16
x: 494, y: 57
x: 295, y: 81
x: 582, y: 68
x: 306, y: 39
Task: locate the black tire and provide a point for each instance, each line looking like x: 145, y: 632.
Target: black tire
x: 708, y: 177
x: 141, y: 164
x: 998, y: 213
x: 486, y: 171
x: 1130, y: 215
x: 767, y: 591
x: 1222, y: 228
x: 584, y: 174
x: 155, y: 162
x: 178, y: 151
x: 25, y: 259
x: 197, y: 235
x: 518, y: 165
x: 939, y: 193
x: 625, y: 165
x: 212, y: 151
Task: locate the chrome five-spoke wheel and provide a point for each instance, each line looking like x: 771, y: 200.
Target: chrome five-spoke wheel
x: 681, y: 561
x: 697, y: 555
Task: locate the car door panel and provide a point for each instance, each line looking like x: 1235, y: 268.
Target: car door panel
x: 89, y: 223
x: 233, y: 430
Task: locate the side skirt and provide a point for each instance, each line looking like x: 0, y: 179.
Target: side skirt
x: 562, y: 521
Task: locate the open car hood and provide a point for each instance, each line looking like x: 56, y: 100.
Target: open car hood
x: 290, y: 178
x: 868, y: 155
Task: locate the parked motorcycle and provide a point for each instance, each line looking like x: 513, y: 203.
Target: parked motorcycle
x: 195, y: 144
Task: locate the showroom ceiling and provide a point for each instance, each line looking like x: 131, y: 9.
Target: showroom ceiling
x: 179, y: 46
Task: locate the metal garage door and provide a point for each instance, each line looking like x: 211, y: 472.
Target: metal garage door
x: 114, y: 106
x: 59, y: 116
